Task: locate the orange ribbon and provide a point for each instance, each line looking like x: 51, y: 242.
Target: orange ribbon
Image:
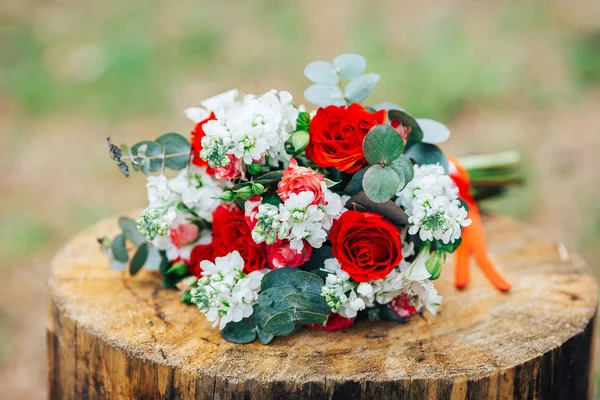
x: 473, y: 239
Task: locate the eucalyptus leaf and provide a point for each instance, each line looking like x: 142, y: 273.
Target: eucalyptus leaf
x: 309, y: 317
x: 416, y: 133
x: 390, y: 210
x: 271, y: 300
x: 386, y: 105
x: 139, y: 259
x: 321, y: 72
x: 306, y: 282
x: 174, y: 143
x: 426, y: 153
x: 359, y: 88
x: 382, y: 145
x: 434, y: 132
x: 154, y: 260
x: 381, y: 183
x: 404, y: 165
x: 239, y: 332
x: 277, y: 277
x: 355, y: 185
x: 129, y: 228
x: 297, y: 301
x: 119, y: 249
x: 323, y: 95
x: 264, y: 337
x: 318, y: 303
x: 280, y: 324
x: 350, y: 65
x: 149, y: 149
x: 116, y: 264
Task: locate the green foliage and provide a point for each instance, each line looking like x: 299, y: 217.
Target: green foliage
x: 416, y: 133
x: 350, y: 66
x: 119, y: 249
x: 389, y: 209
x: 130, y: 231
x: 355, y: 185
x: 434, y: 266
x: 321, y: 72
x: 426, y: 153
x: 139, y: 259
x: 239, y: 332
x: 174, y: 144
x: 323, y: 95
x: 303, y: 121
x: 360, y: 87
x: 584, y: 57
x: 382, y: 145
x: 381, y: 183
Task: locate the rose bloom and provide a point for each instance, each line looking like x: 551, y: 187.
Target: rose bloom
x: 404, y: 131
x: 183, y: 234
x: 200, y: 253
x: 337, y: 134
x: 367, y: 246
x: 334, y: 322
x: 280, y: 254
x: 231, y: 232
x: 402, y: 306
x: 298, y: 179
x: 196, y: 139
x: 234, y: 170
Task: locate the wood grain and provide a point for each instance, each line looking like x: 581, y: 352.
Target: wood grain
x: 114, y: 336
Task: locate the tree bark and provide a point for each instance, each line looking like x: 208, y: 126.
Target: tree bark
x: 113, y: 336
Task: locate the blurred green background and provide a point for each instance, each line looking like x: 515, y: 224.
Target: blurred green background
x: 501, y: 74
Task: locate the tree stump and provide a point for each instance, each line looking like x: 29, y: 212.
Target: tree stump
x: 115, y: 336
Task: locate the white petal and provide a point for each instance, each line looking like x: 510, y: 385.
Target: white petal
x: 196, y: 114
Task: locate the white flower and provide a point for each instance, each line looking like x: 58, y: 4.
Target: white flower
x: 431, y: 201
x: 197, y: 190
x: 159, y: 193
x: 221, y: 101
x: 339, y: 291
x: 224, y: 293
x: 301, y: 220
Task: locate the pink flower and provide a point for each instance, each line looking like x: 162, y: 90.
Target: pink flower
x: 402, y: 130
x: 251, y: 209
x: 402, y: 307
x: 234, y: 170
x: 183, y: 234
x: 298, y: 179
x: 280, y: 254
x: 334, y: 322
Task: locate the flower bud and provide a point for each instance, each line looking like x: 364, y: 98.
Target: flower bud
x: 258, y: 188
x: 255, y: 168
x: 244, y: 192
x: 227, y: 195
x: 178, y: 269
x: 300, y: 140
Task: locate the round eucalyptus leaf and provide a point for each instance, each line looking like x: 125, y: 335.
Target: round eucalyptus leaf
x: 239, y: 332
x: 139, y: 259
x: 427, y: 153
x: 297, y: 301
x: 309, y: 317
x: 264, y: 337
x: 350, y: 65
x: 434, y: 132
x: 416, y: 133
x: 142, y: 150
x: 277, y: 277
x: 359, y: 88
x: 174, y: 143
x: 381, y: 183
x: 119, y: 249
x: 129, y: 228
x: 321, y: 72
x: 154, y: 259
x: 116, y: 265
x: 382, y: 145
x: 404, y: 166
x: 386, y: 105
x: 306, y: 282
x: 271, y: 300
x: 318, y: 303
x: 324, y: 95
x: 280, y: 324
x: 355, y: 185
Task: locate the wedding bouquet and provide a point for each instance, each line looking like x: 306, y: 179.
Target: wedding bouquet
x: 282, y: 218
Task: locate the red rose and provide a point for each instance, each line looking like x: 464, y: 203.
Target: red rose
x: 337, y: 134
x: 367, y: 246
x: 197, y: 135
x: 200, y: 253
x: 334, y: 322
x: 231, y: 232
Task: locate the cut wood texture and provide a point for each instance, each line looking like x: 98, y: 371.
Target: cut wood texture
x: 114, y: 336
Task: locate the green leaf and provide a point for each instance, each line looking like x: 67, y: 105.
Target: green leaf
x: 318, y: 303
x: 271, y: 300
x: 280, y: 324
x: 426, y: 153
x: 416, y: 133
x: 277, y: 277
x: 119, y: 249
x: 355, y: 185
x: 269, y: 177
x: 404, y: 166
x: 359, y: 88
x: 129, y: 228
x: 321, y: 72
x: 116, y: 264
x: 174, y: 143
x: 350, y: 66
x: 381, y: 183
x: 146, y: 149
x: 449, y: 247
x: 434, y: 132
x: 154, y: 260
x: 264, y: 337
x: 297, y: 301
x: 239, y: 332
x: 303, y: 121
x: 272, y: 198
x: 139, y: 259
x: 324, y: 95
x: 390, y: 210
x: 306, y: 282
x: 309, y: 317
x: 434, y: 266
x: 382, y: 145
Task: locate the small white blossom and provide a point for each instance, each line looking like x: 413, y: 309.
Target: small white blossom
x: 431, y: 201
x: 340, y: 291
x: 197, y: 191
x: 224, y: 293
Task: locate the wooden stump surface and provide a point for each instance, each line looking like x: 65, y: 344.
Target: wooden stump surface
x: 115, y: 336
